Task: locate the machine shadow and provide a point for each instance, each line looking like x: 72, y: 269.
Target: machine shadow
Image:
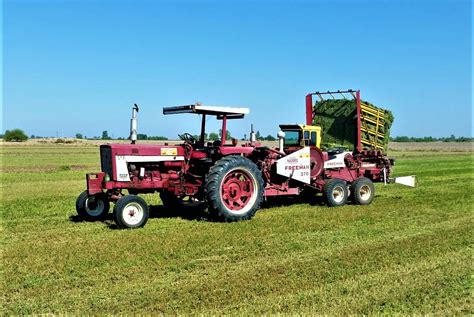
x: 192, y: 214
x: 202, y: 214
x: 283, y: 201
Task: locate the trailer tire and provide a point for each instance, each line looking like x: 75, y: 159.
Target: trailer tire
x: 234, y: 189
x: 130, y: 212
x: 92, y: 207
x: 363, y: 191
x: 335, y: 192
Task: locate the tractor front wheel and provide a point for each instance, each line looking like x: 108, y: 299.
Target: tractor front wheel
x: 92, y: 207
x: 234, y: 188
x: 363, y: 191
x: 131, y: 211
x: 335, y: 192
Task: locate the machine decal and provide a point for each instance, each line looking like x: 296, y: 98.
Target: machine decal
x: 296, y: 165
x: 169, y: 151
x: 336, y: 161
x: 122, y: 169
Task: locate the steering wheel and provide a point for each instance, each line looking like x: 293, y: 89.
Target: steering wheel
x: 187, y: 137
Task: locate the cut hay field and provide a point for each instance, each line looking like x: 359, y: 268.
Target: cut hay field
x: 408, y: 252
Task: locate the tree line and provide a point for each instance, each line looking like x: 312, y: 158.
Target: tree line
x: 18, y: 135
x: 451, y: 138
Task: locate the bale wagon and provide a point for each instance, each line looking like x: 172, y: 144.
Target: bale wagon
x: 232, y: 179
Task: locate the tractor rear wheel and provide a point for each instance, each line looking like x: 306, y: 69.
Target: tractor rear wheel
x: 131, y: 211
x: 92, y: 207
x: 335, y: 192
x: 234, y: 188
x: 363, y: 191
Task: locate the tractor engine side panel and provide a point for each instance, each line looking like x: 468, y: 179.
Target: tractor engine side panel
x: 116, y: 158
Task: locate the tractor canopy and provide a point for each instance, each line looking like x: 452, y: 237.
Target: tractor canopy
x: 222, y: 113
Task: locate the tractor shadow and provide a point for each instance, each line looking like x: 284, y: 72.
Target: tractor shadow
x: 202, y: 214
x: 156, y: 212
x: 76, y: 218
x: 160, y: 211
x: 186, y: 213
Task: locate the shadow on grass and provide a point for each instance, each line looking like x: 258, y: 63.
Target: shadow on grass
x: 283, y: 201
x: 201, y: 213
x: 187, y: 213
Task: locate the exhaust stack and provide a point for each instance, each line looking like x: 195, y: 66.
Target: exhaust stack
x: 281, y: 140
x: 133, y: 124
x: 253, y: 137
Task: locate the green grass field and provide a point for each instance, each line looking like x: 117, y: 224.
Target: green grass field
x: 408, y: 252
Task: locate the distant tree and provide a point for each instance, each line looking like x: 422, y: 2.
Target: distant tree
x: 1, y: 136
x: 402, y: 139
x: 15, y: 135
x: 213, y: 136
x: 452, y: 138
x: 141, y: 136
x: 79, y: 136
x: 245, y: 136
x: 157, y: 137
x: 258, y: 136
x: 270, y: 138
x: 228, y: 135
x: 105, y: 135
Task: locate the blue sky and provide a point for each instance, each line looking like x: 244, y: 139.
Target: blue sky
x: 78, y: 66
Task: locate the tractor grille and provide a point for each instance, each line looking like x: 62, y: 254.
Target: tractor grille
x: 106, y: 159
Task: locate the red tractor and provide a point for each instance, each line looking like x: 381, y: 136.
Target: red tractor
x: 231, y: 180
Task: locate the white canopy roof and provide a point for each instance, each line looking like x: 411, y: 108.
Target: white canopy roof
x: 229, y: 112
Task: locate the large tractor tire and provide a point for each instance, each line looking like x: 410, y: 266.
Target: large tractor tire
x: 234, y: 189
x: 362, y: 191
x: 184, y: 203
x: 131, y: 211
x: 92, y: 207
x: 335, y: 192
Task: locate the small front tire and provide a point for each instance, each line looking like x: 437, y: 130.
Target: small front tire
x: 363, y: 191
x: 131, y: 211
x: 335, y: 192
x: 92, y: 207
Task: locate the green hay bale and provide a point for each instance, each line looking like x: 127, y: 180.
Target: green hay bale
x: 338, y: 120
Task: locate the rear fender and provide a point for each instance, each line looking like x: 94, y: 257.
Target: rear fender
x: 232, y: 150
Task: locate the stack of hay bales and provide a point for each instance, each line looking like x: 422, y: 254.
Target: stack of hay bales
x: 338, y: 120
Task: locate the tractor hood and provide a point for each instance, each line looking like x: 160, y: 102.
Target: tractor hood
x: 145, y: 149
x: 116, y: 157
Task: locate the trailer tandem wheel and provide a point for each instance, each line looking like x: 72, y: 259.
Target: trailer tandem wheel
x: 92, y: 207
x: 363, y: 191
x: 234, y: 188
x: 335, y: 192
